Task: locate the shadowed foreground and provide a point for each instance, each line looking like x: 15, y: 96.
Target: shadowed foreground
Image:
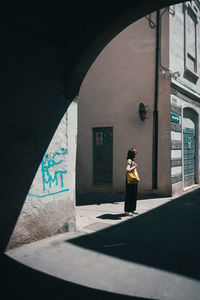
x: 166, y: 238
x: 154, y: 255
x: 21, y: 282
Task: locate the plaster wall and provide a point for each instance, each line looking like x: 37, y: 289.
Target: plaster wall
x: 49, y: 207
x: 120, y: 79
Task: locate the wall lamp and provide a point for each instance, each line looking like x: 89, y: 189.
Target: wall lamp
x: 167, y: 73
x: 143, y: 111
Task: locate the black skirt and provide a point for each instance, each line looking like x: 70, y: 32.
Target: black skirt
x: 130, y: 197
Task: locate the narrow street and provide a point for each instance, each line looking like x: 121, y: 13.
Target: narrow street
x: 152, y: 255
x: 91, y: 92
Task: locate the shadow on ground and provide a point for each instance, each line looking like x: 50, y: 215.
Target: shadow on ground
x: 21, y: 282
x: 111, y: 216
x: 167, y: 237
x: 100, y: 198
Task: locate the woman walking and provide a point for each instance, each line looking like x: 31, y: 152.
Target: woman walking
x: 131, y: 188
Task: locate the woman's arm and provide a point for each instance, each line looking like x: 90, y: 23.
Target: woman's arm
x: 129, y: 168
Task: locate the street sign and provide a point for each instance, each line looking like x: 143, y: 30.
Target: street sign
x: 175, y: 118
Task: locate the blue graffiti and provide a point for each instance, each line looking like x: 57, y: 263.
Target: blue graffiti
x: 42, y: 196
x: 46, y: 166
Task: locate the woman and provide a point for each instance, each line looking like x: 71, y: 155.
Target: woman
x: 131, y: 189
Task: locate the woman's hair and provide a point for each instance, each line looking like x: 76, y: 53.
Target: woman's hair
x: 131, y: 153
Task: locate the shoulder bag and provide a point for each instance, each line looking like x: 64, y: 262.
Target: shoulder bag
x: 132, y: 176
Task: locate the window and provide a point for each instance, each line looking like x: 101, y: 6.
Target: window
x: 190, y: 41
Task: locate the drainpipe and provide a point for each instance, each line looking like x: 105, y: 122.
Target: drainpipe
x: 155, y: 112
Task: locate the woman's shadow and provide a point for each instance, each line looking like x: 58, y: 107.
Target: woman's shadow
x: 113, y: 216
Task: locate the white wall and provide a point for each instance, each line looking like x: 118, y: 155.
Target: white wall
x: 188, y: 90
x: 50, y: 204
x: 177, y: 47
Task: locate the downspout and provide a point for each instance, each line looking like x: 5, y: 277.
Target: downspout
x: 155, y: 112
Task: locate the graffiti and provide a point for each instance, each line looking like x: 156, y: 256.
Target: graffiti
x: 50, y: 194
x: 46, y: 168
x: 52, y: 176
x: 22, y: 138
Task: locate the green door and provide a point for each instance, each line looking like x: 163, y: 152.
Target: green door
x: 102, y: 155
x: 189, y: 156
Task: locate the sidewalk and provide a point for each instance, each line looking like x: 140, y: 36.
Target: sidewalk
x: 100, y: 214
x: 152, y: 255
x: 94, y: 217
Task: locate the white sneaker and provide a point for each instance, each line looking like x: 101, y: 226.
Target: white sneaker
x: 128, y: 213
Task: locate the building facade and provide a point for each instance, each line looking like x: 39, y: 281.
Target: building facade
x: 143, y: 90
x: 185, y: 94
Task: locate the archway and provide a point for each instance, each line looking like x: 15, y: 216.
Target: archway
x: 190, y: 147
x: 43, y: 65
x: 52, y: 111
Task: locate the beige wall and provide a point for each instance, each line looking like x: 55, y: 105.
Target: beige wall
x: 120, y: 79
x: 164, y: 108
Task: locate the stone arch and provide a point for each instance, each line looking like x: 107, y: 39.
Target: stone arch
x: 44, y: 61
x: 113, y: 29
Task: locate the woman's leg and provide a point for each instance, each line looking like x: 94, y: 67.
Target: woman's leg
x: 129, y: 203
x: 134, y: 197
x: 126, y: 197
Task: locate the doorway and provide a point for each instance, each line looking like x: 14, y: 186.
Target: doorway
x: 189, y: 146
x: 102, y: 156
